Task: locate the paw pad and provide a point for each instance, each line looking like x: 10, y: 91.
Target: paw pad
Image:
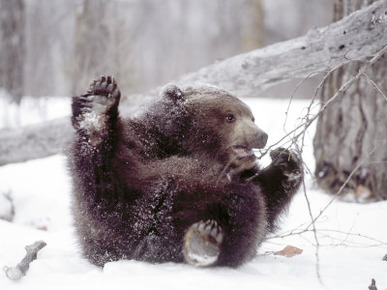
x: 100, y: 101
x: 106, y: 86
x: 202, y: 243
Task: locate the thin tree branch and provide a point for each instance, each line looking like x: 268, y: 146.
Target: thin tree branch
x: 309, y: 121
x: 376, y: 242
x: 299, y: 137
x: 16, y: 273
x: 377, y: 87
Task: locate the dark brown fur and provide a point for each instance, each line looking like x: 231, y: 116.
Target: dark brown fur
x: 140, y: 183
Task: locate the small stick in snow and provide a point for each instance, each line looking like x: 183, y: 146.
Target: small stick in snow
x: 373, y: 285
x: 16, y: 273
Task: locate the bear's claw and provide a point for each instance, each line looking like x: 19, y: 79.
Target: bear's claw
x: 202, y: 243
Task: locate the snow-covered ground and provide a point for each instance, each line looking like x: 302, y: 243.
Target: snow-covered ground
x: 352, y: 238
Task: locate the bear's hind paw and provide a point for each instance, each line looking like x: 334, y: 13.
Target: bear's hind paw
x: 202, y: 243
x: 104, y: 94
x: 105, y: 86
x: 94, y: 108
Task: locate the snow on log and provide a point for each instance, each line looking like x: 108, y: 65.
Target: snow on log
x: 356, y: 37
x: 34, y: 141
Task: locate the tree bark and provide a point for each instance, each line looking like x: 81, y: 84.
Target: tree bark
x: 350, y: 144
x: 358, y: 36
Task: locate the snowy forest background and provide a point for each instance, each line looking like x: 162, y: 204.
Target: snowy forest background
x: 52, y: 49
x: 63, y: 44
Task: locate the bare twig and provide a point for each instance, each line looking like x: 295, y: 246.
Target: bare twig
x: 317, y: 253
x: 16, y: 273
x: 309, y: 120
x: 342, y: 89
x: 330, y: 232
x: 373, y: 285
x: 337, y: 194
x: 375, y: 85
x: 297, y: 136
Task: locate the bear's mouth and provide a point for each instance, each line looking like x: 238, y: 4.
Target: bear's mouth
x: 243, y: 151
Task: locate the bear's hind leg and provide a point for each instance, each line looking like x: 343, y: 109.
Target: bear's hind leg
x: 202, y: 243
x: 91, y: 159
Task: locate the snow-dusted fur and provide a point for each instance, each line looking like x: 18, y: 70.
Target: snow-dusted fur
x: 180, y: 175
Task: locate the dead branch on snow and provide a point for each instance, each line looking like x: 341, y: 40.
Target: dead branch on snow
x: 16, y: 273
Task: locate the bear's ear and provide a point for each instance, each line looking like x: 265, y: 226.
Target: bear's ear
x: 173, y: 93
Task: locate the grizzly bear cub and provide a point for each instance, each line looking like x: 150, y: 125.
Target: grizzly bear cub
x: 177, y: 183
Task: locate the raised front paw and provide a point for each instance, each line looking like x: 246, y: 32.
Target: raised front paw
x: 289, y: 163
x: 98, y: 105
x: 202, y: 243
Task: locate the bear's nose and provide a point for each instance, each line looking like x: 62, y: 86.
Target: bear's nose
x: 261, y: 139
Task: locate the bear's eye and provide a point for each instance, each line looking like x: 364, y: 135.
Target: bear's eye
x: 230, y: 118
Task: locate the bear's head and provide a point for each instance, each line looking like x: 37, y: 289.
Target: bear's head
x: 220, y: 125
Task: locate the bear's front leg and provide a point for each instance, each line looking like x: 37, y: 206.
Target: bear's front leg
x: 280, y: 181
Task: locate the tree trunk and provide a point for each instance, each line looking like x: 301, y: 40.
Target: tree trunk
x: 351, y: 139
x: 94, y: 44
x: 12, y: 50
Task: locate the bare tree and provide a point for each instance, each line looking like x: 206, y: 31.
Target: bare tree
x: 12, y: 50
x: 94, y: 46
x: 351, y: 140
x: 49, y: 42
